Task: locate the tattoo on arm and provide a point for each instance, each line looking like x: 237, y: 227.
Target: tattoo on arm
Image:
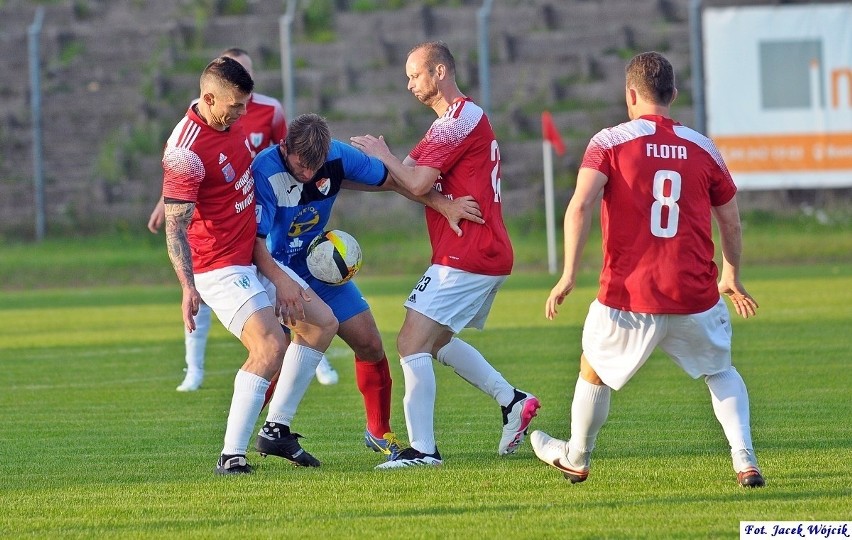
x: 178, y: 217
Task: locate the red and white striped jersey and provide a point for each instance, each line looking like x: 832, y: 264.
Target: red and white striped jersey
x: 461, y: 144
x: 211, y: 169
x: 663, y: 179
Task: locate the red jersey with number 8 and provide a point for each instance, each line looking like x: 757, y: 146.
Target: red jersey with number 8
x: 461, y: 144
x: 663, y: 179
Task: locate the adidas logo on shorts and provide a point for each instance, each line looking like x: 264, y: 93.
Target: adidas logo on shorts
x: 412, y: 298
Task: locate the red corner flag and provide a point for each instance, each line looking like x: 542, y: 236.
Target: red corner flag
x: 549, y: 133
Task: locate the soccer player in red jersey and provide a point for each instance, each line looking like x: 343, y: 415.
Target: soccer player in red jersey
x: 457, y: 157
x: 662, y: 183
x: 211, y: 236
x: 264, y: 125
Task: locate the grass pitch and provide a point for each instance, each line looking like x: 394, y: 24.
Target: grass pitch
x: 95, y: 442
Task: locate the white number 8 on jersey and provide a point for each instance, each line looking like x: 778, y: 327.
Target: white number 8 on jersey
x: 661, y: 201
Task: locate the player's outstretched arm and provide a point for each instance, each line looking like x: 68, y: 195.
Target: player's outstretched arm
x: 177, y: 217
x: 388, y: 185
x: 730, y: 234
x: 455, y: 210
x: 576, y: 225
x: 417, y: 180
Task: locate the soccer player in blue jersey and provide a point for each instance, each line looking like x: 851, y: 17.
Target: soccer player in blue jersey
x: 296, y: 184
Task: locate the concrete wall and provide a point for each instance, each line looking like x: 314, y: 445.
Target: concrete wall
x: 114, y: 68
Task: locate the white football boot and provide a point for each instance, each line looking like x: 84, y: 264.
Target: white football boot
x: 326, y: 374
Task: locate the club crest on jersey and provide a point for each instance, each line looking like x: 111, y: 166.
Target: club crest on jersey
x: 256, y: 139
x: 323, y: 185
x: 228, y: 171
x: 304, y: 221
x: 242, y: 282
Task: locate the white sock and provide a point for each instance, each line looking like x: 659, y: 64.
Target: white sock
x: 589, y: 411
x: 471, y: 366
x: 730, y: 403
x: 297, y: 372
x: 249, y: 391
x: 419, y: 401
x: 196, y: 342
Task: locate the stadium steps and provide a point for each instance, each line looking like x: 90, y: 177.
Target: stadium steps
x: 542, y: 53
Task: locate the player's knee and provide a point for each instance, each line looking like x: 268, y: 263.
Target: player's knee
x: 588, y: 373
x: 265, y: 354
x: 326, y: 320
x: 329, y: 327
x: 408, y: 343
x: 369, y: 351
x: 275, y: 346
x: 320, y: 323
x: 318, y: 332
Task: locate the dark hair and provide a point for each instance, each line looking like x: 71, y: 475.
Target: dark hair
x: 229, y: 72
x: 652, y: 75
x: 309, y: 137
x: 437, y: 52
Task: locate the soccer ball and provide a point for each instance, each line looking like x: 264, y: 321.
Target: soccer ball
x: 334, y: 257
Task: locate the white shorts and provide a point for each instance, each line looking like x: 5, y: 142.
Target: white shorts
x: 270, y: 288
x: 454, y: 298
x: 234, y: 293
x: 617, y: 343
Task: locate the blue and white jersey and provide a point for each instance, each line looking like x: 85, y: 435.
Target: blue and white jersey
x: 290, y: 213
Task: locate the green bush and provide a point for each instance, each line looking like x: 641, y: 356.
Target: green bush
x: 319, y: 21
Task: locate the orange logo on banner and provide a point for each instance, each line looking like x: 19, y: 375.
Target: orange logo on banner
x: 803, y: 152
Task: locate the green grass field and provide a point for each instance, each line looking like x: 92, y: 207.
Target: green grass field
x: 95, y: 442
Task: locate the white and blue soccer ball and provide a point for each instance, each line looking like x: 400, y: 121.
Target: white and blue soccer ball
x: 334, y: 257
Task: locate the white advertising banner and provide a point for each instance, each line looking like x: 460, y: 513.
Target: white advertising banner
x: 779, y: 93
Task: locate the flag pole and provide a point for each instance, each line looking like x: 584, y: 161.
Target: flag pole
x: 547, y: 158
x: 551, y: 140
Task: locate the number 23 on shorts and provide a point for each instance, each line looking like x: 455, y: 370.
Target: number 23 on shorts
x: 423, y: 283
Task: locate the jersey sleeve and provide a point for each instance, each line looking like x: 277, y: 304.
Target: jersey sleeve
x: 279, y: 125
x: 596, y: 155
x: 442, y: 146
x: 723, y: 188
x: 417, y: 150
x: 183, y: 172
x: 265, y: 198
x: 359, y: 167
x: 721, y: 184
